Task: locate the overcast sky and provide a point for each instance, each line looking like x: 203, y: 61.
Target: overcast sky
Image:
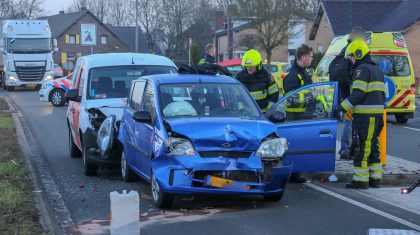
x: 52, y: 7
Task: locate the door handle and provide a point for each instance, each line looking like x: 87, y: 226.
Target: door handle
x: 325, y: 132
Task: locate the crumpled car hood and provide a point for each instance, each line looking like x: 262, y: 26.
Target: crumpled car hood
x: 227, y: 134
x: 109, y: 106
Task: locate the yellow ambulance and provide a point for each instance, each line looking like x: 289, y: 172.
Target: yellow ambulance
x: 389, y: 51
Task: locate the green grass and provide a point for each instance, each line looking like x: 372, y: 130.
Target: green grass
x: 18, y: 214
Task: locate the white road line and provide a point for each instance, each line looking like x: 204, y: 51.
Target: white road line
x: 366, y: 207
x: 415, y: 129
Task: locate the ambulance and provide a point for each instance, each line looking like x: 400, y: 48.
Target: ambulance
x: 389, y: 51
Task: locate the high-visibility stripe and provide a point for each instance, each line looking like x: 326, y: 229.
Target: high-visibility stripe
x: 258, y: 95
x: 368, y: 109
x: 302, y: 82
x: 401, y: 98
x: 406, y: 104
x: 346, y: 105
x: 295, y: 110
x: 361, y: 85
x: 376, y: 176
x: 375, y: 167
x: 56, y: 84
x: 361, y: 178
x: 376, y: 86
x: 202, y: 61
x: 368, y: 146
x: 273, y: 89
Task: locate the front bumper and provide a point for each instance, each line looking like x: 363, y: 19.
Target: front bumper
x: 194, y: 174
x: 19, y: 83
x: 44, y: 94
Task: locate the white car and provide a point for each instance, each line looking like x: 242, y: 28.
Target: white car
x: 58, y: 71
x: 53, y: 91
x: 97, y: 98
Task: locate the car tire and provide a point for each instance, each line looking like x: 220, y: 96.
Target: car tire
x: 161, y: 199
x: 57, y: 97
x: 89, y: 169
x: 10, y: 88
x: 401, y: 118
x: 126, y: 173
x: 273, y: 197
x: 74, y: 150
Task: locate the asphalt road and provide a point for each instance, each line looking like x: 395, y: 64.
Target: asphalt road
x: 303, y: 210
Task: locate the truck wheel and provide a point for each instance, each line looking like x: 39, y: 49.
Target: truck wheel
x: 57, y: 97
x: 74, y: 150
x: 127, y: 174
x: 10, y: 88
x: 89, y: 169
x: 401, y: 118
x: 161, y: 199
x: 273, y: 197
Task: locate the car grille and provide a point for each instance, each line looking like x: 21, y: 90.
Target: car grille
x: 229, y: 154
x: 30, y: 74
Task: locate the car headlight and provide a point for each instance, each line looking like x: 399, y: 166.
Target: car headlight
x: 47, y: 78
x: 272, y: 149
x: 179, y: 146
x: 12, y: 78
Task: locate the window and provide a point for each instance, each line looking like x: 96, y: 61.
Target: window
x: 135, y: 100
x: 104, y: 39
x: 393, y: 65
x: 149, y: 100
x: 286, y: 68
x: 320, y: 48
x: 29, y: 45
x: 273, y: 68
x: 81, y: 81
x: 72, y: 39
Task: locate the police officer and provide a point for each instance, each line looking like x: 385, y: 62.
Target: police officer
x: 366, y: 103
x: 296, y: 78
x: 258, y: 81
x: 209, y: 58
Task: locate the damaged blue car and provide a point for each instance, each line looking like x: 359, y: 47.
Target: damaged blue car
x: 195, y: 133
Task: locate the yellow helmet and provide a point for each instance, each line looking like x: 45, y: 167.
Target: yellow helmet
x: 358, y: 48
x: 252, y: 58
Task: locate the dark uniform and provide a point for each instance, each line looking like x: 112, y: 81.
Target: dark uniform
x: 208, y: 59
x: 367, y: 104
x: 261, y: 86
x: 296, y: 78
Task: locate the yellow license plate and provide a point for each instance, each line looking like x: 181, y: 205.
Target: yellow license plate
x: 31, y: 85
x: 223, y: 183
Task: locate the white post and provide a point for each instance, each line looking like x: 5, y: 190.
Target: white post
x: 125, y: 213
x: 189, y: 50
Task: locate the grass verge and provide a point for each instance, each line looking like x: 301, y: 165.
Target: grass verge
x: 18, y: 214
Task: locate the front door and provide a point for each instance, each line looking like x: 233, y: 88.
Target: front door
x: 310, y: 127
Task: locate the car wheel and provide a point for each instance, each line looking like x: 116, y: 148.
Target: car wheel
x: 401, y: 118
x: 57, y: 97
x: 10, y: 88
x: 127, y: 174
x: 89, y: 169
x: 74, y: 150
x: 273, y: 197
x: 161, y: 199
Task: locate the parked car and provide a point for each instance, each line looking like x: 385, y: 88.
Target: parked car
x: 217, y: 140
x: 99, y: 89
x: 54, y: 91
x: 58, y: 71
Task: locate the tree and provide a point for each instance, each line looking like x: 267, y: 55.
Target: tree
x: 77, y: 5
x: 275, y: 21
x: 150, y: 20
x: 5, y: 8
x: 249, y: 41
x: 99, y: 8
x: 24, y: 9
x: 122, y: 12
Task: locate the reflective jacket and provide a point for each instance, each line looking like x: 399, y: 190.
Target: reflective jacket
x: 296, y: 78
x: 367, y: 96
x: 208, y: 59
x: 261, y: 86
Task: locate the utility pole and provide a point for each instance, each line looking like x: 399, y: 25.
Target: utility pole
x: 137, y: 27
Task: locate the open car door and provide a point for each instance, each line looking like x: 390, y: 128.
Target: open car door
x: 309, y: 126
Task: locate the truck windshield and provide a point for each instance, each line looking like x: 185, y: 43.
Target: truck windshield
x: 28, y: 45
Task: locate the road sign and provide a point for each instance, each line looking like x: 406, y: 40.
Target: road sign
x: 390, y: 89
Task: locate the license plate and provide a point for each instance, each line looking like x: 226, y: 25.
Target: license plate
x: 31, y: 85
x: 225, y: 183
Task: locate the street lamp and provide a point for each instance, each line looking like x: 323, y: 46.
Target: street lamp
x: 137, y: 28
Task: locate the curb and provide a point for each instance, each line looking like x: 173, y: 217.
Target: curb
x: 387, y: 180
x: 50, y: 215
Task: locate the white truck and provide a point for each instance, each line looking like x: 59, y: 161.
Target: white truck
x: 26, y: 48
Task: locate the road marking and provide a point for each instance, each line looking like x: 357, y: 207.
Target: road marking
x: 415, y: 129
x: 366, y: 207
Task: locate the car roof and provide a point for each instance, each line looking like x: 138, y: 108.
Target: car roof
x: 190, y: 78
x: 113, y: 59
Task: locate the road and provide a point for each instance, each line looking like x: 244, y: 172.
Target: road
x: 305, y: 209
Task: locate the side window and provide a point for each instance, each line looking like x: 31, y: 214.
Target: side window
x: 149, y: 100
x: 274, y: 68
x: 312, y: 103
x: 137, y: 94
x: 81, y: 81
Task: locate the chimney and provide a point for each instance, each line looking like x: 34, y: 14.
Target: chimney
x: 61, y: 12
x: 219, y: 20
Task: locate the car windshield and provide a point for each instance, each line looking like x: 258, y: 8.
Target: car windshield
x: 114, y: 81
x: 206, y: 100
x: 391, y: 65
x: 29, y: 45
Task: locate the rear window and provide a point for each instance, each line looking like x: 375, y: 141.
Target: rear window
x: 391, y: 65
x: 273, y: 68
x: 286, y: 68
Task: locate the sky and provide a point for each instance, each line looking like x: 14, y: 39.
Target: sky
x: 52, y: 7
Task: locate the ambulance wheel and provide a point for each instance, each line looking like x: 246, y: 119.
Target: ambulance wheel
x: 57, y: 97
x: 273, y: 197
x: 401, y: 118
x: 127, y: 174
x: 161, y: 199
x: 10, y: 88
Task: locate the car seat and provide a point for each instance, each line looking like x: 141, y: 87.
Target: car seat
x: 165, y: 99
x: 103, y: 85
x: 121, y: 89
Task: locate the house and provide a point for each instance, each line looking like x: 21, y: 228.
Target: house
x: 338, y: 17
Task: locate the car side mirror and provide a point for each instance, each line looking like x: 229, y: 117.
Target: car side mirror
x: 277, y: 117
x: 73, y: 95
x: 142, y: 116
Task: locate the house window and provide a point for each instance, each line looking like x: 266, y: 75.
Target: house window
x: 320, y: 48
x: 104, y: 39
x: 72, y: 39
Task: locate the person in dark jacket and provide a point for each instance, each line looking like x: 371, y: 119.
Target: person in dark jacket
x: 209, y: 57
x: 258, y: 81
x: 366, y: 103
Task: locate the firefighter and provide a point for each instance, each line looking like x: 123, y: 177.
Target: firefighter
x: 366, y: 103
x: 209, y: 58
x: 258, y: 81
x: 296, y: 78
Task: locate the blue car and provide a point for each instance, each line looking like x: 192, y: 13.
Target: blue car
x: 194, y: 133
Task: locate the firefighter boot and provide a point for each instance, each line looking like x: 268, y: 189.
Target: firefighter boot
x: 374, y: 183
x: 358, y: 185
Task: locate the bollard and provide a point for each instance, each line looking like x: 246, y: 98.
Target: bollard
x: 382, y: 142
x: 125, y: 213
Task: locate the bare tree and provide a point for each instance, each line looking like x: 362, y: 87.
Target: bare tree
x: 150, y: 20
x: 77, y: 5
x: 5, y: 8
x: 274, y: 20
x: 99, y: 8
x: 25, y: 9
x: 121, y: 12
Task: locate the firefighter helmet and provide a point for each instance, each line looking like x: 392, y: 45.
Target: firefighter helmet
x: 252, y: 58
x: 358, y: 48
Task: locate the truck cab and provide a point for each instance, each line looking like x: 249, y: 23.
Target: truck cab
x: 27, y: 49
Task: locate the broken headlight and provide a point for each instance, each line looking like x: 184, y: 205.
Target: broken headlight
x: 272, y: 149
x: 179, y: 146
x: 106, y: 136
